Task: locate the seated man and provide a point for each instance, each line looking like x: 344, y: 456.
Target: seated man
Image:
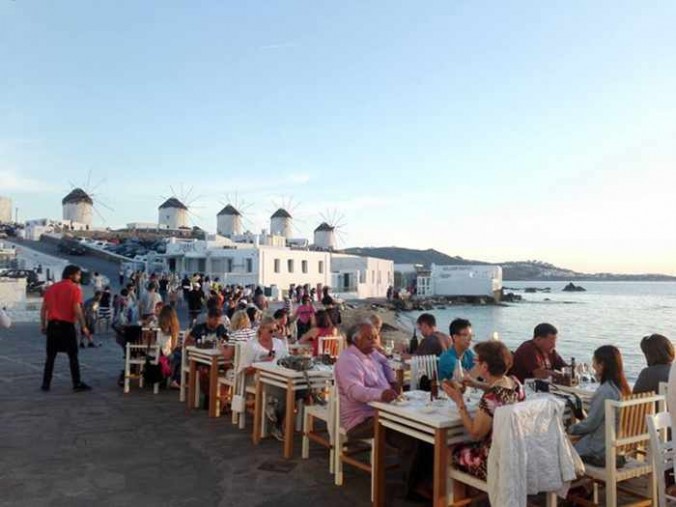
x: 434, y: 342
x: 361, y: 379
x: 537, y: 358
x: 461, y: 334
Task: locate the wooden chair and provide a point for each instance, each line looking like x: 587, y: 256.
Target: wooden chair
x: 135, y: 358
x: 662, y: 453
x: 231, y: 379
x: 423, y: 365
x: 325, y: 413
x: 185, y: 368
x: 626, y: 435
x: 330, y: 345
x: 345, y: 454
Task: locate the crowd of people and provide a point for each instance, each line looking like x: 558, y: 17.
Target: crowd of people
x: 227, y: 313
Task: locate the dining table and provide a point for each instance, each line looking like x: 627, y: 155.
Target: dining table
x: 436, y: 422
x: 212, y: 358
x: 269, y: 373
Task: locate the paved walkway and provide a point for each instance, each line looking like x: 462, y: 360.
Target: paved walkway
x: 104, y: 448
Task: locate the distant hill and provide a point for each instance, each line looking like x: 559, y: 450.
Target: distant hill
x: 532, y: 270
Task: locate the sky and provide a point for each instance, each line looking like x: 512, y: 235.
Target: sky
x: 491, y: 130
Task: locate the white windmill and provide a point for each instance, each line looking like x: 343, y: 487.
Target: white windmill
x: 175, y: 212
x: 80, y: 204
x: 330, y: 231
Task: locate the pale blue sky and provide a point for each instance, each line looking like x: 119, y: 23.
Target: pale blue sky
x: 490, y: 130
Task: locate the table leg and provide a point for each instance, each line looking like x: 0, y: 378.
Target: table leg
x: 289, y: 420
x: 440, y: 468
x: 378, y: 463
x: 192, y: 377
x: 213, y: 388
x: 258, y: 401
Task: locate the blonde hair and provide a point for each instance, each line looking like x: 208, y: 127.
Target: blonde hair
x: 265, y: 321
x: 240, y: 320
x: 168, y: 321
x: 376, y: 320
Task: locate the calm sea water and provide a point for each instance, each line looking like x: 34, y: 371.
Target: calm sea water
x: 617, y: 313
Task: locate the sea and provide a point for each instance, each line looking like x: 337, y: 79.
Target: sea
x: 617, y: 313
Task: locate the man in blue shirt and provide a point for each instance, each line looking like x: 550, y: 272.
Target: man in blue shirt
x: 461, y: 333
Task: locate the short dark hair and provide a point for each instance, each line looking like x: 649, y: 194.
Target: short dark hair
x: 323, y: 319
x: 657, y: 349
x: 69, y: 271
x: 458, y: 325
x: 280, y: 313
x: 496, y: 355
x: 214, y: 313
x: 427, y: 318
x: 543, y: 330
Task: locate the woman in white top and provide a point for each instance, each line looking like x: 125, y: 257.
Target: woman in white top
x: 265, y: 347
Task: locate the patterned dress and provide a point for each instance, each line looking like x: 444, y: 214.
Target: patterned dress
x: 473, y: 457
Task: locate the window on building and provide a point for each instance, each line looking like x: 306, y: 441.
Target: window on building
x: 289, y: 265
x: 303, y: 266
x: 380, y: 277
x: 278, y: 265
x: 373, y: 276
x: 362, y: 276
x: 249, y: 265
x: 321, y: 267
x: 228, y: 265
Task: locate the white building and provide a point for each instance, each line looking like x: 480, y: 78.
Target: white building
x: 5, y: 209
x: 249, y: 264
x: 78, y: 207
x: 229, y: 222
x: 173, y: 214
x: 37, y: 227
x: 355, y: 277
x: 325, y: 237
x: 280, y: 223
x: 462, y: 281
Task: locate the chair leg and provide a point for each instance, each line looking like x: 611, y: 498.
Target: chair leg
x: 338, y: 452
x: 373, y: 475
x: 127, y: 374
x: 156, y: 387
x: 140, y: 376
x: 611, y: 493
x: 595, y: 493
x: 197, y: 391
x: 307, y: 427
x: 182, y: 389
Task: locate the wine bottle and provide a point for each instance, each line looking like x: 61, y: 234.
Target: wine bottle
x: 413, y: 344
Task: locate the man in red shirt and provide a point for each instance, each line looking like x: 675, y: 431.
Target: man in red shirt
x: 537, y: 358
x: 61, y: 309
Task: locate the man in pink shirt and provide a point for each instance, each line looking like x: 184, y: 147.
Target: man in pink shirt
x: 363, y: 375
x: 361, y: 379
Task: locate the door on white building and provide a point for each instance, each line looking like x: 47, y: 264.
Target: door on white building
x: 346, y: 281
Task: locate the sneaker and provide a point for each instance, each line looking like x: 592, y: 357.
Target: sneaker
x: 82, y: 345
x: 174, y: 385
x: 277, y: 433
x: 271, y: 412
x: 44, y: 387
x: 81, y: 387
x: 92, y: 345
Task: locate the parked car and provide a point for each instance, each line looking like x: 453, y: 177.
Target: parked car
x: 71, y: 247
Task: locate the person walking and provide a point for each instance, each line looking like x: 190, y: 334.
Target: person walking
x: 61, y: 309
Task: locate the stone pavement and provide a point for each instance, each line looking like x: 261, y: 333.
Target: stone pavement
x: 103, y: 448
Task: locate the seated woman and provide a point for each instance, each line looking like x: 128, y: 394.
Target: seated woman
x: 323, y: 327
x: 607, y: 363
x: 265, y: 347
x: 659, y: 354
x: 240, y: 327
x: 168, y: 328
x: 493, y: 360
